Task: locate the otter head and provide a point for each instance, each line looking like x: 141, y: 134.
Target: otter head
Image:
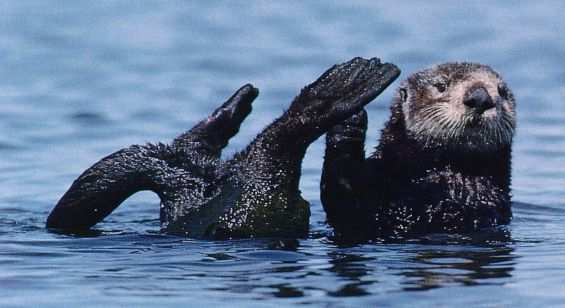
x: 461, y: 106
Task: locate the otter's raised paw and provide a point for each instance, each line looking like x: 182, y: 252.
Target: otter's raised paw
x: 351, y: 130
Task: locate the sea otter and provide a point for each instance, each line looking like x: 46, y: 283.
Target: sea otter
x: 254, y: 194
x: 442, y: 163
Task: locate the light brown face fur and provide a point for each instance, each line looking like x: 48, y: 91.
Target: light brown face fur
x: 435, y: 115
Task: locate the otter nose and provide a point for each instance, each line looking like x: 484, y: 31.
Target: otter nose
x: 478, y: 99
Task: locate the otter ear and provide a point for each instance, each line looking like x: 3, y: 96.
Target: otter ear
x: 403, y: 94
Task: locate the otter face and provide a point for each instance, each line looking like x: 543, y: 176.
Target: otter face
x: 464, y: 106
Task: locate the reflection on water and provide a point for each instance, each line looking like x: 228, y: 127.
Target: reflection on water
x: 443, y: 268
x: 353, y: 269
x: 79, y: 80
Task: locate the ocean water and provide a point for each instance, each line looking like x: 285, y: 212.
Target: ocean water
x: 82, y: 79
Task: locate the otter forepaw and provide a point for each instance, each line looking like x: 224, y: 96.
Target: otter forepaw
x: 341, y: 185
x: 351, y: 130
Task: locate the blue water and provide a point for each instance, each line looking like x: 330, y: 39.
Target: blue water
x: 79, y: 80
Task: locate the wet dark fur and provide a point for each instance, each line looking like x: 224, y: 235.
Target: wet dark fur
x: 254, y: 194
x: 406, y: 187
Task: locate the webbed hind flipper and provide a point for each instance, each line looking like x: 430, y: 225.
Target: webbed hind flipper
x: 105, y: 185
x: 336, y: 95
x: 212, y: 134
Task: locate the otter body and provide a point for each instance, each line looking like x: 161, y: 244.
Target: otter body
x: 254, y: 194
x: 442, y: 163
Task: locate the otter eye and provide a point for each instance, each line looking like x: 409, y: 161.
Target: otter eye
x: 503, y: 91
x: 403, y: 94
x: 440, y: 86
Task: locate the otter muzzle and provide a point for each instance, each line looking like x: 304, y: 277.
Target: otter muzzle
x: 478, y: 99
